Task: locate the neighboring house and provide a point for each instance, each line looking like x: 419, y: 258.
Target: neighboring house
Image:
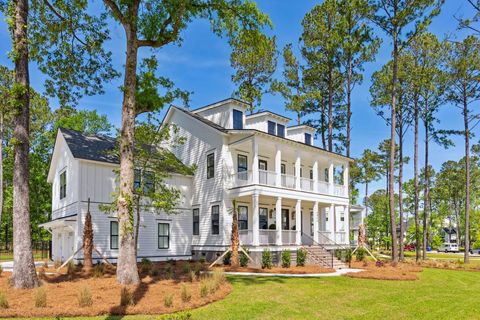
x: 357, y: 217
x: 289, y: 192
x: 449, y: 235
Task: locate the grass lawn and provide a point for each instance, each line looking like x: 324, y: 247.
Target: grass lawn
x: 439, y: 294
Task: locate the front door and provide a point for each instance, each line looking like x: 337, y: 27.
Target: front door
x: 285, y: 219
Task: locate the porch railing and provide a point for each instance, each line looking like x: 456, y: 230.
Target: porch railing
x: 323, y: 187
x: 306, y: 184
x: 267, y: 236
x: 288, y: 181
x: 289, y: 236
x: 339, y: 190
x: 267, y: 177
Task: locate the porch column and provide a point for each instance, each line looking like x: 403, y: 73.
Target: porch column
x: 346, y: 223
x: 298, y: 222
x: 346, y: 179
x: 254, y: 161
x: 278, y: 166
x: 315, y: 176
x: 255, y: 219
x: 331, y: 221
x: 315, y: 221
x: 297, y: 171
x: 331, y: 183
x: 278, y: 220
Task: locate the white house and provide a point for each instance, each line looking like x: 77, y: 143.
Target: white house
x: 289, y: 192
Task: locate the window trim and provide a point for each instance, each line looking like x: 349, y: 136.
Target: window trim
x: 211, y: 166
x: 163, y: 236
x: 246, y: 220
x: 278, y: 131
x: 309, y: 140
x: 113, y: 235
x: 274, y: 126
x: 63, y: 188
x: 217, y: 207
x: 238, y: 163
x: 197, y: 223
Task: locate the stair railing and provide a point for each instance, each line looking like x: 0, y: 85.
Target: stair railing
x: 340, y: 252
x: 309, y: 239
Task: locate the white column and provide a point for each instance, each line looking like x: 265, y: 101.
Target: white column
x: 278, y: 220
x: 331, y: 221
x: 254, y: 161
x: 298, y: 222
x: 255, y: 219
x: 315, y: 176
x: 331, y: 183
x: 346, y: 215
x: 315, y: 221
x: 346, y: 179
x: 278, y: 166
x: 297, y: 170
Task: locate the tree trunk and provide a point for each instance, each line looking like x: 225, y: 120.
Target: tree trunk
x: 415, y: 183
x: 1, y: 164
x: 137, y: 224
x: 330, y: 112
x: 349, y: 106
x: 400, y: 189
x: 391, y: 173
x: 466, y: 257
x: 235, y: 238
x: 88, y: 241
x: 457, y: 219
x: 24, y: 274
x: 322, y: 125
x: 427, y: 190
x: 127, y: 271
x: 366, y: 198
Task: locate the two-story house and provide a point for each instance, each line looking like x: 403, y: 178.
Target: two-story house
x: 289, y: 192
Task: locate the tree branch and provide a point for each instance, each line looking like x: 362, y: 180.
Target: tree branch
x: 116, y: 12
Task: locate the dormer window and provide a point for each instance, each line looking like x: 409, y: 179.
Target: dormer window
x: 280, y: 130
x: 308, y: 138
x: 237, y: 119
x: 272, y: 126
x: 63, y: 184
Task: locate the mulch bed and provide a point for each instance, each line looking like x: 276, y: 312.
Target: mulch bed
x: 62, y: 292
x: 386, y: 271
x: 308, y: 269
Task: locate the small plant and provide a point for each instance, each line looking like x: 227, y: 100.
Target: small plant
x: 186, y: 268
x: 154, y: 272
x: 348, y: 256
x: 1, y: 269
x: 71, y: 268
x: 286, y: 258
x: 202, y: 259
x: 57, y: 264
x: 99, y: 270
x: 126, y: 297
x: 185, y: 294
x: 168, y: 300
x: 218, y: 277
x: 40, y: 296
x: 227, y: 259
x: 84, y: 297
x: 243, y: 258
x: 266, y: 259
x: 360, y: 254
x: 3, y: 300
x: 204, y: 290
x: 192, y: 276
x: 145, y: 266
x: 379, y: 263
x: 169, y: 271
x: 301, y: 257
x: 42, y: 273
x: 198, y: 268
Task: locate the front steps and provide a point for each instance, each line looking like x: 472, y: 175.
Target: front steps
x: 320, y: 256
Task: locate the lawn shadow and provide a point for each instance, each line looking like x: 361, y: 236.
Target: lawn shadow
x: 254, y: 280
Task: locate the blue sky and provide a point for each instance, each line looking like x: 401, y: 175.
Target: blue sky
x: 201, y: 65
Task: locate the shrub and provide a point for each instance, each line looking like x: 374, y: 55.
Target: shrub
x: 286, y: 258
x: 57, y: 264
x: 186, y: 268
x: 145, y: 265
x: 379, y: 263
x: 42, y: 273
x: 227, y: 259
x: 301, y: 257
x: 218, y: 277
x: 84, y: 297
x: 243, y: 258
x: 126, y: 297
x: 185, y: 294
x: 168, y: 300
x: 198, y: 268
x: 348, y: 255
x: 360, y: 254
x: 266, y: 259
x: 202, y: 259
x: 1, y: 269
x: 71, y: 268
x: 192, y: 276
x: 204, y: 289
x: 3, y: 300
x: 169, y: 273
x: 40, y: 296
x: 154, y: 272
x: 99, y: 270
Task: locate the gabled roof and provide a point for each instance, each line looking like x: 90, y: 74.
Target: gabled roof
x: 202, y: 119
x: 265, y: 112
x: 220, y: 103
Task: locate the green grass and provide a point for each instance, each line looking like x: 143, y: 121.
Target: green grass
x: 37, y: 256
x: 439, y: 294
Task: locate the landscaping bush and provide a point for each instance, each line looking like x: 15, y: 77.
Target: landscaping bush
x: 3, y: 300
x: 360, y: 254
x: 301, y: 257
x: 218, y: 277
x: 168, y: 300
x: 126, y: 297
x: 154, y: 272
x: 348, y: 256
x: 185, y: 294
x: 84, y: 297
x: 204, y: 289
x: 169, y: 272
x: 57, y: 264
x: 266, y: 259
x: 198, y: 268
x: 379, y: 263
x: 202, y: 259
x: 244, y: 258
x: 99, y: 270
x: 40, y: 296
x: 286, y: 258
x: 186, y: 268
x: 227, y: 259
x: 71, y: 268
x: 192, y: 276
x: 145, y: 266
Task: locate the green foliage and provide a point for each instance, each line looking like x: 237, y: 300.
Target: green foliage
x: 286, y: 258
x: 185, y: 293
x: 243, y: 258
x: 145, y: 265
x: 126, y: 297
x: 99, y: 270
x: 3, y: 300
x: 168, y: 300
x: 227, y: 258
x: 266, y: 259
x: 169, y: 271
x: 360, y: 254
x: 84, y: 297
x: 437, y: 241
x: 186, y: 268
x: 301, y: 257
x: 40, y: 296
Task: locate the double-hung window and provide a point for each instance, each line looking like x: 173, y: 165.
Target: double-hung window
x: 210, y: 165
x: 281, y: 130
x: 272, y: 126
x: 63, y: 184
x: 242, y: 167
x: 242, y: 217
x: 216, y: 219
x: 196, y: 221
x: 308, y: 138
x: 237, y: 119
x: 163, y: 235
x: 113, y: 234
